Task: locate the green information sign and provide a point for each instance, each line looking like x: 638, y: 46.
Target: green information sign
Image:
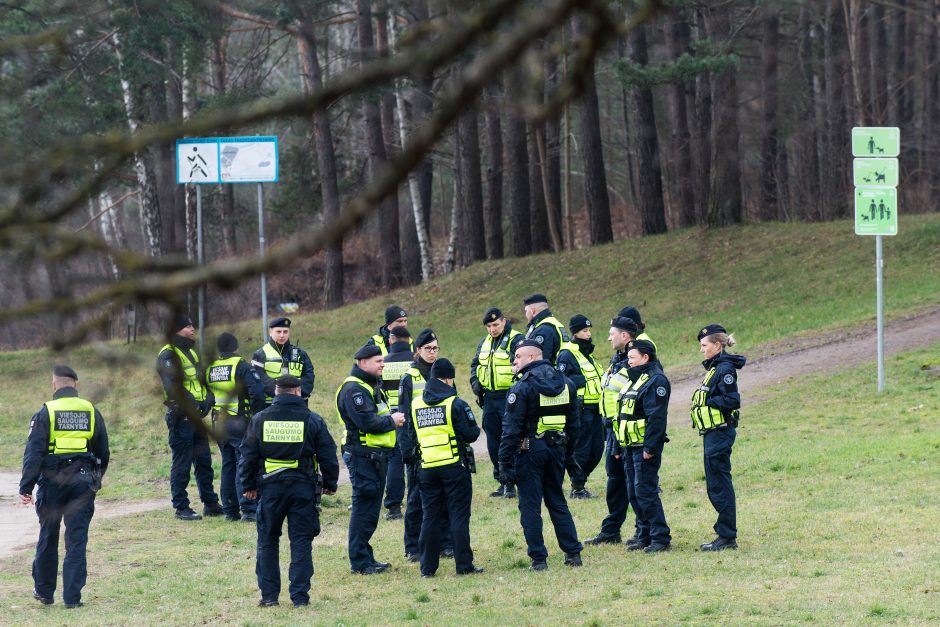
x: 876, y: 141
x: 876, y: 172
x: 876, y: 211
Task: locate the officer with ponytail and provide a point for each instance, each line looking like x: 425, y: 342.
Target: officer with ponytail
x: 715, y: 411
x: 66, y: 454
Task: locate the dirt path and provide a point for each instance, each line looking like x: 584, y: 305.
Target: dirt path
x: 803, y: 355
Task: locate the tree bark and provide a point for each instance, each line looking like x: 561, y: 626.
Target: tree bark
x: 517, y: 169
x: 493, y: 207
x: 472, y: 185
x: 878, y: 65
x: 541, y: 241
x: 649, y: 172
x: 326, y: 164
x: 703, y: 128
x: 677, y: 40
x: 551, y: 159
x: 725, y: 206
x: 592, y: 152
x: 226, y: 190
x: 390, y: 254
x: 769, y: 208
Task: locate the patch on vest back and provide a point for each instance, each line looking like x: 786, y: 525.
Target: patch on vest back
x: 73, y: 421
x: 220, y: 373
x: 431, y: 417
x: 277, y: 431
x: 728, y: 379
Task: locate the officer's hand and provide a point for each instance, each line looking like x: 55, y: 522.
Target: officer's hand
x: 398, y: 418
x: 327, y: 491
x: 616, y: 456
x: 479, y: 400
x: 250, y: 494
x: 647, y: 456
x: 506, y: 474
x: 26, y: 499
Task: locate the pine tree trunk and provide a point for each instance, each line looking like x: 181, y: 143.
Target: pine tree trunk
x: 493, y: 207
x: 649, y: 172
x: 769, y: 209
x: 677, y: 40
x: 537, y: 211
x: 703, y: 129
x: 326, y: 165
x: 517, y: 170
x: 226, y: 191
x: 725, y: 206
x: 472, y: 182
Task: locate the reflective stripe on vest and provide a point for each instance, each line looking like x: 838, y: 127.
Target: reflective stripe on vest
x: 71, y: 425
x: 417, y: 383
x: 375, y: 440
x: 391, y: 377
x: 553, y: 411
x: 220, y: 377
x: 434, y: 426
x: 274, y: 364
x: 611, y: 385
x: 559, y: 327
x: 590, y: 393
x: 494, y: 364
x: 191, y: 382
x: 630, y: 432
x: 704, y: 417
x: 282, y: 432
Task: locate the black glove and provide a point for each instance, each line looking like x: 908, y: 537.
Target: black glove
x: 479, y: 400
x: 507, y: 474
x: 205, y: 407
x: 409, y: 457
x: 477, y: 388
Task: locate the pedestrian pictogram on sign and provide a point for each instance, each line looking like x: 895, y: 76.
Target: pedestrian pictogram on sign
x: 197, y: 161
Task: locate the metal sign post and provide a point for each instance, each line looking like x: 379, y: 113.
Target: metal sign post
x: 876, y: 174
x: 264, y: 283
x: 200, y: 260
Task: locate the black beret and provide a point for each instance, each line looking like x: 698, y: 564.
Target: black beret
x: 529, y: 343
x: 535, y: 298
x: 578, y: 322
x: 626, y: 324
x: 634, y: 314
x: 393, y: 313
x: 287, y: 382
x: 399, y: 332
x: 644, y: 346
x: 367, y: 351
x: 443, y: 369
x: 492, y: 315
x: 425, y: 337
x: 65, y: 371
x: 710, y: 330
x: 179, y: 322
x: 226, y: 343
x: 279, y: 322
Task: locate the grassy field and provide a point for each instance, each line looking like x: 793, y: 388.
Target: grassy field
x: 838, y: 520
x: 766, y: 282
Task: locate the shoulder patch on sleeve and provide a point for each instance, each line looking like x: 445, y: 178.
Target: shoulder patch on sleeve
x: 661, y: 391
x: 511, y: 398
x: 561, y: 367
x: 470, y: 415
x: 728, y: 379
x: 540, y: 338
x: 358, y: 399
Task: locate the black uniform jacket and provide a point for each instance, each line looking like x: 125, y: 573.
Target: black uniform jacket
x: 357, y: 408
x: 307, y: 375
x: 171, y: 376
x: 546, y: 335
x: 723, y: 387
x: 37, y: 458
x: 522, y: 407
x: 317, y: 443
x: 435, y: 392
x: 475, y: 385
x: 652, y: 403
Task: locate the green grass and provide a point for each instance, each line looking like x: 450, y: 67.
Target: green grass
x: 766, y: 282
x: 838, y: 521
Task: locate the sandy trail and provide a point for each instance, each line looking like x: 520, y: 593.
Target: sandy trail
x: 818, y: 354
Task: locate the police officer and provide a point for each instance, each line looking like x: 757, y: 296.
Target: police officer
x: 412, y: 387
x: 543, y: 327
x: 443, y: 427
x: 622, y: 331
x: 370, y: 437
x: 279, y: 357
x: 538, y: 435
x: 634, y: 314
x: 187, y: 401
x: 641, y: 436
x: 397, y: 362
x: 715, y: 411
x: 490, y: 379
x: 576, y: 362
x: 395, y: 316
x: 286, y: 445
x: 239, y: 394
x: 66, y: 454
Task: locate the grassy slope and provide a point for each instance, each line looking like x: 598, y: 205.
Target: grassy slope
x: 764, y: 281
x: 837, y: 513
